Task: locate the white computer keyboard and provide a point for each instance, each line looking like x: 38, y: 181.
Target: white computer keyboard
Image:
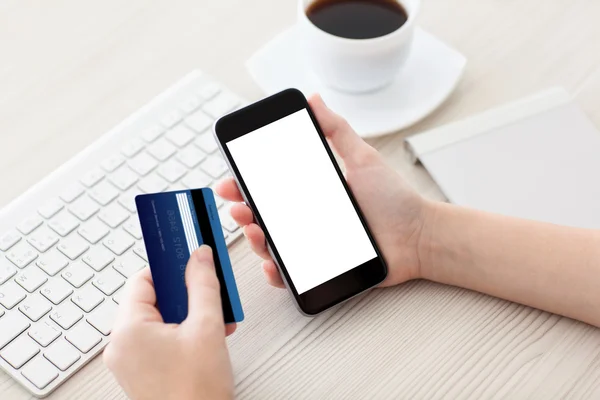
x: 68, y: 245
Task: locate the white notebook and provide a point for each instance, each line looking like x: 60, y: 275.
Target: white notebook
x: 537, y: 158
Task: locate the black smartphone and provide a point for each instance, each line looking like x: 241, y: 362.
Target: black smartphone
x: 287, y: 174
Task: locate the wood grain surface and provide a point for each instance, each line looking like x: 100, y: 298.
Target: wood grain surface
x: 71, y: 69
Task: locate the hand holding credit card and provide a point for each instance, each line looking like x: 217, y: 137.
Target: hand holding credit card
x: 174, y: 224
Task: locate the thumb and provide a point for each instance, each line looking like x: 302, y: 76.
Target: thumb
x: 346, y: 142
x: 204, y: 291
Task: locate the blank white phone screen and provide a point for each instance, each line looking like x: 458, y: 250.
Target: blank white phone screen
x: 301, y: 200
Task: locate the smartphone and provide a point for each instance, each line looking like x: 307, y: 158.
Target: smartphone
x: 287, y: 174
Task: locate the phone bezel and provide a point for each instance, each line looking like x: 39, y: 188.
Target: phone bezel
x: 255, y: 116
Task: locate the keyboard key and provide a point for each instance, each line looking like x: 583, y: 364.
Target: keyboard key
x: 40, y: 372
x: 7, y: 270
x: 220, y: 105
x: 84, y: 337
x: 210, y: 90
x: 127, y: 199
x: 104, y: 193
x: 92, y: 177
x: 196, y: 179
x: 66, y: 315
x: 118, y: 242
x: 108, y: 281
x: 226, y: 221
x: 215, y: 166
x: 72, y: 192
x: 77, y: 274
x: 19, y: 351
x: 44, y: 333
x: 140, y: 250
x: 63, y: 223
x: 11, y: 326
x: 199, y: 121
x: 93, y: 231
x: 83, y: 208
x: 171, y: 119
x: 161, y: 149
x: 142, y: 163
x: 52, y: 262
x: 177, y: 186
x: 190, y: 156
x: 133, y: 147
x: 180, y: 135
x: 128, y: 264
x: 56, y: 290
x: 42, y: 239
x: 87, y: 298
x: 73, y: 246
x: 111, y: 163
x: 98, y: 258
x: 191, y: 104
x: 123, y: 178
x: 113, y: 215
x: 118, y: 296
x: 22, y: 254
x: 35, y: 307
x: 152, y: 133
x: 153, y: 184
x: 132, y: 226
x: 62, y: 354
x: 51, y: 207
x: 9, y: 239
x: 28, y: 225
x: 31, y: 278
x: 206, y: 142
x: 172, y: 171
x: 11, y: 294
x: 103, y: 317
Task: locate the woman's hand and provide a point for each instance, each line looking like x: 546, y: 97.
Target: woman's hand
x: 154, y: 360
x: 394, y: 212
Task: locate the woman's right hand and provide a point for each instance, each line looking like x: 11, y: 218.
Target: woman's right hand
x: 395, y: 213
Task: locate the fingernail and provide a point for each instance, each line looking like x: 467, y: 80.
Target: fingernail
x: 203, y: 254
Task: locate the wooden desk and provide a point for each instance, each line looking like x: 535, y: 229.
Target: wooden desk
x: 70, y: 70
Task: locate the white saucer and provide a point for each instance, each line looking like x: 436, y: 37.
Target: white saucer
x: 426, y: 80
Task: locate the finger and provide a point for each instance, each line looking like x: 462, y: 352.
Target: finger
x: 204, y: 296
x: 256, y: 238
x: 230, y: 328
x: 242, y: 214
x: 139, y: 301
x: 140, y: 289
x: 344, y: 139
x: 228, y: 190
x: 272, y: 274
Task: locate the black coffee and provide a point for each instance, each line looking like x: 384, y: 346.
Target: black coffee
x: 357, y: 19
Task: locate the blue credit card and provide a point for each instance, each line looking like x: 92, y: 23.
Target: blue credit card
x: 174, y: 224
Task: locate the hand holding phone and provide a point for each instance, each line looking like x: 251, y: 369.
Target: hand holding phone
x: 350, y: 147
x: 393, y: 210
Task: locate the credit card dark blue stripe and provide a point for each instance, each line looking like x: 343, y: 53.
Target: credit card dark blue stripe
x: 174, y: 224
x: 206, y: 209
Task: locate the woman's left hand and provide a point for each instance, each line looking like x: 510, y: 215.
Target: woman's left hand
x: 154, y: 360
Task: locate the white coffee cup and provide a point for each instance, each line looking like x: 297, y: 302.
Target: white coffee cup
x: 356, y: 65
